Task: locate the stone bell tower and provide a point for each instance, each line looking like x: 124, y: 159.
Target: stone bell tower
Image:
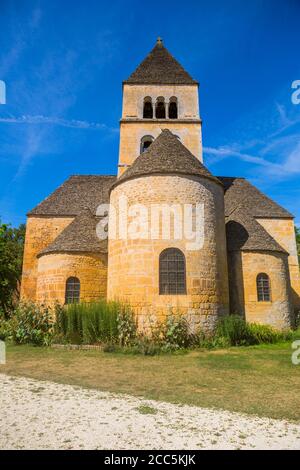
x: 159, y: 94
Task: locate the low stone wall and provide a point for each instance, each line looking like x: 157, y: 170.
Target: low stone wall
x: 83, y: 347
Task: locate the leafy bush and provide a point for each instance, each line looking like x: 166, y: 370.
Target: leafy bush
x: 127, y: 329
x: 5, y: 329
x: 31, y: 323
x: 176, y: 333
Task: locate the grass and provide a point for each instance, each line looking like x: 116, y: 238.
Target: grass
x: 146, y: 410
x: 259, y: 380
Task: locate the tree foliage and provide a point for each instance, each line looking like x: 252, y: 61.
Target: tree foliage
x: 11, y: 257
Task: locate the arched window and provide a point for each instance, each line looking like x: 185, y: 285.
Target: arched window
x: 72, y: 290
x: 172, y: 272
x: 148, y: 108
x: 146, y: 141
x: 263, y: 288
x: 173, y: 111
x: 160, y: 111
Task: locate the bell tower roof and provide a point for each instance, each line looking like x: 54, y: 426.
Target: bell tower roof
x: 160, y: 68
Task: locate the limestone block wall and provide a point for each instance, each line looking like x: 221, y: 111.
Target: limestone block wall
x: 187, y: 99
x: 236, y: 284
x: 40, y: 232
x: 54, y: 269
x: 133, y: 127
x: 131, y: 134
x: 133, y: 264
x: 279, y: 311
x: 283, y: 231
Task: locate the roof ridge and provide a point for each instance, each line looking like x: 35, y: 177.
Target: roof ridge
x: 160, y: 67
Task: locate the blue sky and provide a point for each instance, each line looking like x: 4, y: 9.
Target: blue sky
x: 63, y: 63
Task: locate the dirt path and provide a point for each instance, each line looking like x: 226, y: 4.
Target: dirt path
x: 46, y: 415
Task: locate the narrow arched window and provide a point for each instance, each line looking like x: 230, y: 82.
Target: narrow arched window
x: 263, y: 288
x: 173, y: 109
x: 72, y: 290
x: 172, y: 277
x: 160, y: 111
x: 146, y: 141
x: 148, y: 108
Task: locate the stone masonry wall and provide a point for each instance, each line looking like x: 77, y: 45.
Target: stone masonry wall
x: 278, y: 312
x: 131, y: 134
x: 283, y: 231
x: 133, y: 265
x: 40, y: 232
x: 187, y: 99
x: 54, y: 270
x: 133, y: 127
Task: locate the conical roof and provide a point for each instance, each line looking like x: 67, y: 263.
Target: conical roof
x: 160, y: 67
x: 244, y: 233
x: 166, y: 155
x: 79, y: 236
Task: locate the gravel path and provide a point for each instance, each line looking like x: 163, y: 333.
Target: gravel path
x: 46, y: 415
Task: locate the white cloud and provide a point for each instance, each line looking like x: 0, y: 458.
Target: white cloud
x: 56, y: 121
x: 225, y: 152
x: 278, y: 152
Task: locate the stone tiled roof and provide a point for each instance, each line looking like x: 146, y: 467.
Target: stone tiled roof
x: 244, y: 233
x: 75, y: 194
x: 240, y: 193
x: 80, y: 196
x: 80, y: 236
x: 161, y: 68
x: 166, y: 155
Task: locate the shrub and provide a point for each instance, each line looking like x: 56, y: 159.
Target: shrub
x: 237, y: 332
x: 177, y: 333
x: 31, y: 323
x: 127, y: 329
x: 146, y: 346
x: 297, y: 319
x: 170, y: 335
x: 259, y: 334
x: 5, y: 329
x: 234, y: 329
x: 110, y: 347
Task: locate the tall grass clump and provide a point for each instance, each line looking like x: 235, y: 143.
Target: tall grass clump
x: 235, y: 331
x: 95, y: 322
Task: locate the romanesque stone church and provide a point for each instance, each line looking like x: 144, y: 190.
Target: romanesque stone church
x: 248, y: 261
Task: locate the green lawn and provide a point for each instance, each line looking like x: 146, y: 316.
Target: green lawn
x: 258, y: 379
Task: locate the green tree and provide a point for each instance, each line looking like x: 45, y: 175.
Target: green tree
x: 11, y: 258
x: 297, y: 231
